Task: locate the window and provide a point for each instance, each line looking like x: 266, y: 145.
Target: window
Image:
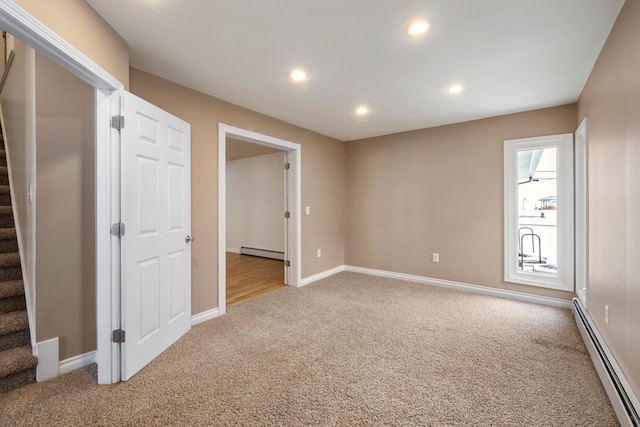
x: 539, y: 211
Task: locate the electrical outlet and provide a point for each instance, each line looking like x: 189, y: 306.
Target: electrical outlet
x: 319, y: 254
x: 606, y: 314
x: 435, y: 257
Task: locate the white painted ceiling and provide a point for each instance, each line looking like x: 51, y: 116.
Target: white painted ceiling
x: 510, y: 56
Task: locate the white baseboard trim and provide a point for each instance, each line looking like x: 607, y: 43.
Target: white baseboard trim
x: 204, y: 316
x: 48, y: 354
x: 624, y: 401
x: 77, y: 362
x: 321, y: 275
x: 501, y: 293
x: 233, y: 250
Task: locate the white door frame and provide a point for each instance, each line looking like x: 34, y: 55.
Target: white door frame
x: 293, y: 195
x: 30, y: 31
x: 582, y: 242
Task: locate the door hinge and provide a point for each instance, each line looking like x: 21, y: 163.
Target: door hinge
x: 287, y: 263
x: 118, y: 336
x: 117, y: 122
x: 287, y: 214
x: 117, y: 229
x: 287, y: 166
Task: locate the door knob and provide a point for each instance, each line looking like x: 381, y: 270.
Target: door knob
x: 189, y: 239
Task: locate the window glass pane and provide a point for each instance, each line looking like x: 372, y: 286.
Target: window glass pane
x: 537, y: 212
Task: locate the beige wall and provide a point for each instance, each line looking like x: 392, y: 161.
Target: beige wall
x: 255, y: 202
x: 82, y: 27
x: 322, y: 179
x: 65, y: 210
x: 611, y: 101
x: 439, y: 190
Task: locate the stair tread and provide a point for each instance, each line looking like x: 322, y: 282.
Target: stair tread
x: 16, y: 360
x: 9, y: 259
x: 4, y: 189
x: 13, y: 322
x: 12, y: 288
x: 6, y: 210
x: 7, y: 233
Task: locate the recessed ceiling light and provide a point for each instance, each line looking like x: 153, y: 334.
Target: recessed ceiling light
x: 361, y: 111
x: 298, y: 75
x: 455, y: 89
x: 418, y: 27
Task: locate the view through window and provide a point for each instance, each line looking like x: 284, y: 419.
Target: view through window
x: 537, y: 220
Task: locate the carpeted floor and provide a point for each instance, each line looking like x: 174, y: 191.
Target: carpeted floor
x: 347, y: 350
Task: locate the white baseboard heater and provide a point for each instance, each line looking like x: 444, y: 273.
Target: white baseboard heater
x: 263, y: 253
x: 622, y: 397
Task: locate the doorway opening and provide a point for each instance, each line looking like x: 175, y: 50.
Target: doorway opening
x: 256, y: 224
x: 23, y: 26
x: 290, y: 215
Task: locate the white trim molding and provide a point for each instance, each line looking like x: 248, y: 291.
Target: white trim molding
x: 77, y: 362
x: 321, y: 275
x: 204, y: 316
x: 20, y: 24
x: 500, y: 293
x: 48, y: 355
x: 49, y: 365
x: 293, y: 245
x: 581, y: 209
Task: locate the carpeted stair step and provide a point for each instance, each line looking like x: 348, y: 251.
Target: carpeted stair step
x: 6, y: 217
x: 15, y: 339
x: 3, y: 157
x: 4, y: 175
x: 17, y: 368
x: 14, y: 288
x: 10, y: 266
x: 10, y: 304
x: 13, y: 322
x: 8, y: 240
x: 5, y: 195
x: 9, y: 260
x: 10, y: 273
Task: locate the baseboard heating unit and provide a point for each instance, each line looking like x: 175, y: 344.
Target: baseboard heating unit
x: 622, y: 397
x: 263, y: 253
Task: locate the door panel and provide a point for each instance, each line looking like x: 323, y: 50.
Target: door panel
x: 156, y: 285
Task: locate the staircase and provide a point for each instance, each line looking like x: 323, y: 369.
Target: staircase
x: 17, y: 364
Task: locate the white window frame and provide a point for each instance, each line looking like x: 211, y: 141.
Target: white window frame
x: 564, y: 279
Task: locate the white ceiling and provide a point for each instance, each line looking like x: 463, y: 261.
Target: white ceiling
x: 510, y: 55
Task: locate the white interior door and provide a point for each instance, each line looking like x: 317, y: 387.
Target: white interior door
x: 156, y: 247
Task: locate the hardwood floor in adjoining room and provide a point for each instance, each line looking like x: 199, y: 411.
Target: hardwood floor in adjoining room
x: 249, y: 276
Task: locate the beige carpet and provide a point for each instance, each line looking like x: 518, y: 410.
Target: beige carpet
x: 348, y: 350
